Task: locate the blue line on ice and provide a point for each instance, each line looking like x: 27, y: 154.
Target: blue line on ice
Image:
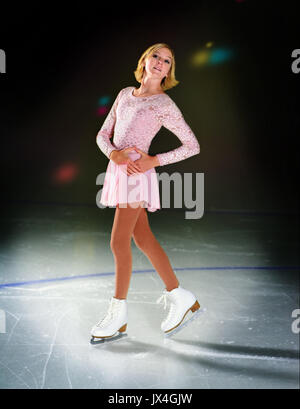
x: 48, y: 280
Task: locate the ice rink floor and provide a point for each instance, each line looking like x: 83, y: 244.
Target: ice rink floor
x: 57, y: 277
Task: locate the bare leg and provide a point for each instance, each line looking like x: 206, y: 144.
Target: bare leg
x: 147, y: 243
x: 122, y: 230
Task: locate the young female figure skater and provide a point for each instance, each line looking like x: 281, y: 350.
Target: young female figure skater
x: 131, y: 183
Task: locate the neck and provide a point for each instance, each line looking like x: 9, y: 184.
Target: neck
x: 150, y: 86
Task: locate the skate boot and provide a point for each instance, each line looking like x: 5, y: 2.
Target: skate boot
x: 181, y: 302
x: 115, y: 320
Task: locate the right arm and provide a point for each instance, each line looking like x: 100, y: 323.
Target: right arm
x: 119, y: 156
x: 107, y: 129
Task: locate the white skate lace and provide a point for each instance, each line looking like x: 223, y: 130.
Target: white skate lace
x: 164, y: 298
x: 112, y: 311
x: 172, y: 311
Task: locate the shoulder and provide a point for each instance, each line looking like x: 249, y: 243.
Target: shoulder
x: 167, y: 110
x: 123, y: 91
x: 166, y: 103
x: 126, y: 90
x: 166, y: 100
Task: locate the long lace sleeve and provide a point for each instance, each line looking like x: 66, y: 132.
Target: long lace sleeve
x: 171, y: 118
x: 107, y: 129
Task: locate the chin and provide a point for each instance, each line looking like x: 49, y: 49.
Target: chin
x: 157, y: 74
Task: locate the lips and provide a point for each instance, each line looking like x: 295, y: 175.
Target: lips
x: 158, y: 69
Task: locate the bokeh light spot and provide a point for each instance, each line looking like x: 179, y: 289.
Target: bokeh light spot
x: 102, y: 111
x: 210, y: 57
x: 104, y: 100
x: 200, y: 58
x: 65, y: 173
x: 220, y: 55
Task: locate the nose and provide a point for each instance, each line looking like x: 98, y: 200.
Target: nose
x: 160, y: 60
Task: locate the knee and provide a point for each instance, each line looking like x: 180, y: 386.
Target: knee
x: 142, y: 241
x: 119, y: 243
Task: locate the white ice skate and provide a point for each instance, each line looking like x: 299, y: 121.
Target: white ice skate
x: 181, y: 302
x: 115, y: 321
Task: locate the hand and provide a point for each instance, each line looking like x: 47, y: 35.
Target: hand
x: 146, y: 162
x: 120, y: 157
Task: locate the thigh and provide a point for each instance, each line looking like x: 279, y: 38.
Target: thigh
x: 142, y: 227
x: 125, y: 220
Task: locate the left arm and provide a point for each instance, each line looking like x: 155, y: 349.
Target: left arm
x: 171, y: 118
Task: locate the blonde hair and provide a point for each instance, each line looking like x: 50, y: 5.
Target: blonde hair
x: 169, y: 81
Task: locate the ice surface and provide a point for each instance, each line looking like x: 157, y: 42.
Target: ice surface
x: 245, y: 339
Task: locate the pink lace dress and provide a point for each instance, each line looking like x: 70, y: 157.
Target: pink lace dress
x: 134, y: 121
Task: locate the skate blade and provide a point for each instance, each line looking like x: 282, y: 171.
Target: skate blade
x: 97, y: 341
x: 185, y: 323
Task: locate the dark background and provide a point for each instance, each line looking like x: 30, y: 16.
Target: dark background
x: 62, y: 57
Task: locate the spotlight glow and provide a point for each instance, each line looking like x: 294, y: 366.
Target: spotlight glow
x: 104, y: 100
x: 211, y: 57
x: 103, y: 105
x: 65, y: 173
x: 220, y: 55
x: 200, y: 58
x: 102, y: 111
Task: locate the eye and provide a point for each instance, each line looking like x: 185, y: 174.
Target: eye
x: 156, y: 56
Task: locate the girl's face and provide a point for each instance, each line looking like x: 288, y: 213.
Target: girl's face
x: 158, y: 64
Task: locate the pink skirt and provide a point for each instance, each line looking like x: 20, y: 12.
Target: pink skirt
x: 119, y: 188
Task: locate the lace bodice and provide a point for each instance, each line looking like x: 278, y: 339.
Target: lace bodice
x: 134, y: 121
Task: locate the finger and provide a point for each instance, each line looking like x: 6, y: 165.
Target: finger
x: 130, y: 170
x: 134, y: 170
x: 136, y: 162
x: 135, y: 166
x: 139, y: 151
